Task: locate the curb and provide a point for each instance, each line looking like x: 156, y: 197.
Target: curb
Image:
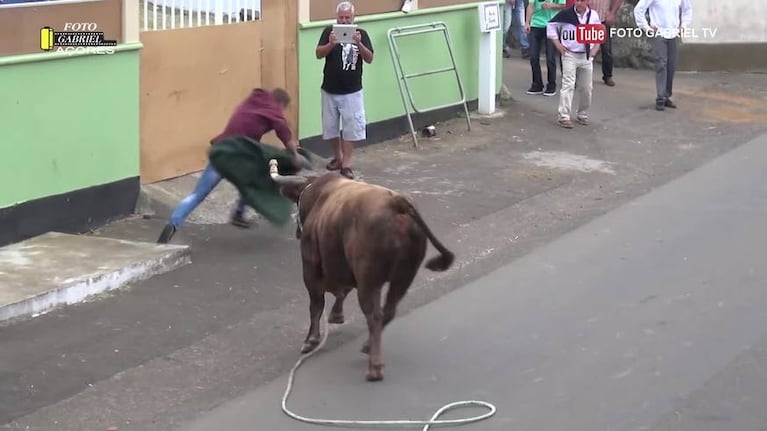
x: 80, y: 289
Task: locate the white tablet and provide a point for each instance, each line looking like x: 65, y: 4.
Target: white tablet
x: 344, y: 32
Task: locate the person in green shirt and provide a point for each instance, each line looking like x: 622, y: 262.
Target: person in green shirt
x: 539, y: 12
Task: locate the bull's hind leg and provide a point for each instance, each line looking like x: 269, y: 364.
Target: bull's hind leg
x: 403, y: 277
x: 337, y: 312
x: 370, y: 303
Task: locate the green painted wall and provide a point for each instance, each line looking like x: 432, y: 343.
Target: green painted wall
x: 67, y: 122
x: 418, y: 53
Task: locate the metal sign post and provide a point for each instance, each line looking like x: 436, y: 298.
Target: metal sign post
x: 489, y: 23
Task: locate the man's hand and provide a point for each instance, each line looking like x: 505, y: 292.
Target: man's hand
x: 357, y: 38
x: 527, y: 27
x: 610, y: 18
x: 332, y: 38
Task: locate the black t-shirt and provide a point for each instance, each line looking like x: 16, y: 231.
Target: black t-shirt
x: 343, y: 66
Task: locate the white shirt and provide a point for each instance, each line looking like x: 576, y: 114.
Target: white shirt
x: 664, y: 14
x: 570, y: 43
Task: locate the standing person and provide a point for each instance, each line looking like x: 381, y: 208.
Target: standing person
x: 514, y: 17
x: 666, y: 27
x: 607, y: 10
x: 342, y: 99
x: 539, y: 12
x: 577, y: 60
x: 261, y: 112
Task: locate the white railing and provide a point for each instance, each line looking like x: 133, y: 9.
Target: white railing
x: 172, y: 14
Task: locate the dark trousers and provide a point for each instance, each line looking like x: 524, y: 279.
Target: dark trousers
x: 666, y: 56
x: 607, y: 55
x: 538, y: 41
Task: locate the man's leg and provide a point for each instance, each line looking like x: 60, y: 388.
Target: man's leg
x: 207, y: 182
x: 607, y: 59
x: 330, y: 128
x: 507, y: 11
x: 551, y: 66
x: 352, y: 108
x: 673, y: 58
x: 519, y: 19
x: 661, y: 71
x: 568, y: 86
x: 584, y: 74
x: 238, y: 216
x: 537, y: 36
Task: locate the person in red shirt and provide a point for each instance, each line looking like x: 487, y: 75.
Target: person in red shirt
x: 261, y: 112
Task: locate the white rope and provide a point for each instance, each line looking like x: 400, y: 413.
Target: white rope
x: 383, y: 423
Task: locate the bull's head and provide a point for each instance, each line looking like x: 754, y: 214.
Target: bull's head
x: 290, y: 185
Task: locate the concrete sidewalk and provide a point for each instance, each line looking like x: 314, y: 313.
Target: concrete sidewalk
x: 55, y: 269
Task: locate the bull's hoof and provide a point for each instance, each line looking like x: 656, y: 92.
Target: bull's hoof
x: 310, y: 345
x: 375, y: 374
x: 336, y: 318
x: 365, y: 348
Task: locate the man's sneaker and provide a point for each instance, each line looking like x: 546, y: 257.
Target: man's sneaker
x: 534, y: 90
x: 660, y: 106
x: 609, y: 82
x: 239, y: 221
x: 167, y: 233
x: 550, y: 92
x: 670, y: 104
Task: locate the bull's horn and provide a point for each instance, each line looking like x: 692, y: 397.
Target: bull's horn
x: 284, y: 179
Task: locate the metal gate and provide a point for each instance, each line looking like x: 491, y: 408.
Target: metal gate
x: 402, y: 78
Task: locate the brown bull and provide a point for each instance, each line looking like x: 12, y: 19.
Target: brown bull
x: 358, y: 235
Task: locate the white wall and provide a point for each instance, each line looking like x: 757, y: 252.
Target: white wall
x: 734, y: 21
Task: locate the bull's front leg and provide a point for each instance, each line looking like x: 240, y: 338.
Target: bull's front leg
x: 316, y: 307
x: 370, y: 303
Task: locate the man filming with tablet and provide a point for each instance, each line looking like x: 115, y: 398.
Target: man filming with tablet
x: 344, y: 46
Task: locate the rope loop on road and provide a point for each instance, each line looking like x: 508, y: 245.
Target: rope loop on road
x: 434, y: 421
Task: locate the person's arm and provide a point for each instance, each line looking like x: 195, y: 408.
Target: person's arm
x: 365, y: 45
x: 553, y: 35
x: 639, y: 11
x: 326, y: 43
x: 529, y: 15
x: 556, y: 6
x: 686, y: 13
x: 283, y: 132
x: 612, y: 11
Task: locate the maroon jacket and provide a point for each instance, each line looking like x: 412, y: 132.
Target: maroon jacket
x: 256, y: 116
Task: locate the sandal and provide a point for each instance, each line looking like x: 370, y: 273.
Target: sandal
x: 567, y: 124
x: 333, y: 165
x: 347, y: 172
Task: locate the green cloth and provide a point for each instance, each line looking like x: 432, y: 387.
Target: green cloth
x: 245, y: 163
x: 541, y: 16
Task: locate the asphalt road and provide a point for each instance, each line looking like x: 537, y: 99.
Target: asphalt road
x: 151, y: 356
x: 651, y: 317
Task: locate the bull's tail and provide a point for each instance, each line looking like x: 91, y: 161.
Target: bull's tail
x: 446, y: 257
